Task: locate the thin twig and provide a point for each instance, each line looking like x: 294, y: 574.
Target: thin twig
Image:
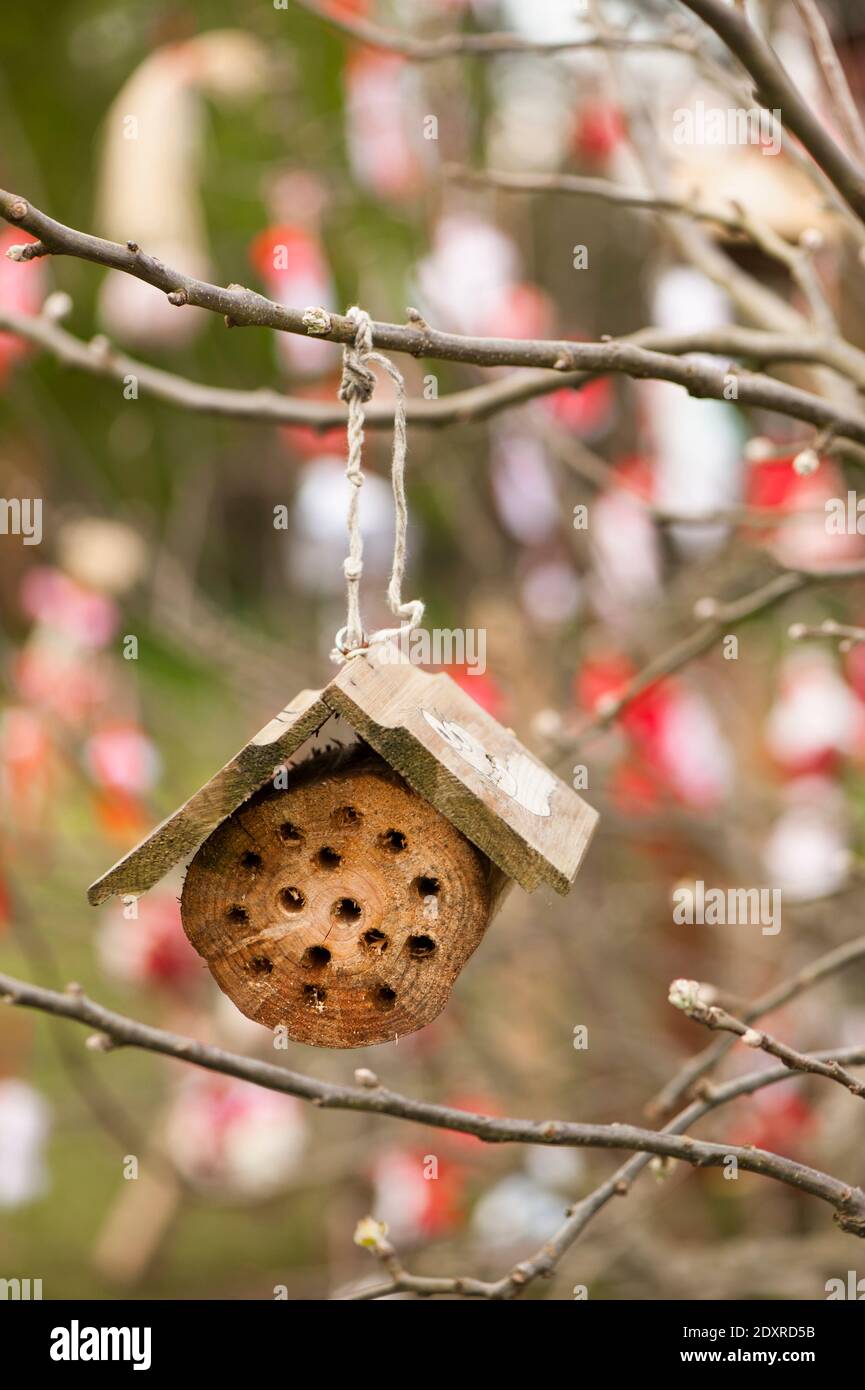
x: 244, y: 307
x: 482, y: 45
x: 776, y: 90
x: 719, y: 618
x: 545, y: 1260
x: 735, y: 218
x: 714, y: 1017
x: 844, y: 634
x: 584, y: 463
x: 834, y: 77
x: 583, y: 186
x: 101, y: 358
x: 813, y: 973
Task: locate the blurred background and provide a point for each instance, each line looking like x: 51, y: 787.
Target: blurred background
x: 262, y: 146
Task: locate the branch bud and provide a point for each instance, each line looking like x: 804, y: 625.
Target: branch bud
x: 806, y: 462
x: 685, y: 995
x: 57, y: 307
x: 372, y: 1235
x: 317, y: 320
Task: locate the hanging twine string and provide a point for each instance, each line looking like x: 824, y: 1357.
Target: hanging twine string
x: 356, y: 388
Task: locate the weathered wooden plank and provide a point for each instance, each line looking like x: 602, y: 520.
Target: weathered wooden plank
x: 477, y: 773
x: 186, y: 828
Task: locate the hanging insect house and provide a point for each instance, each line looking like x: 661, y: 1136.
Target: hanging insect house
x: 346, y: 863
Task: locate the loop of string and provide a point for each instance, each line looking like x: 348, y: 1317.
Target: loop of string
x: 356, y: 388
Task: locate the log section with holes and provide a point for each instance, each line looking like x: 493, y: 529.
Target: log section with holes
x: 342, y: 907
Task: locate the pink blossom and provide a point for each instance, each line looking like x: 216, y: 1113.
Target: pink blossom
x: 292, y: 265
x: 235, y: 1138
x: 816, y: 717
x: 122, y: 758
x: 22, y: 290
x: 381, y: 89
x: 51, y: 598
x: 150, y: 948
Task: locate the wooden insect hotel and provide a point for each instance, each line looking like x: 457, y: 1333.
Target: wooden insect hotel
x: 346, y: 863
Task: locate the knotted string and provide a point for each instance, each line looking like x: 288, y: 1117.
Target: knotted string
x: 356, y: 388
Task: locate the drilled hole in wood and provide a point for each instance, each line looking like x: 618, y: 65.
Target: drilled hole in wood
x: 328, y: 858
x: 427, y: 886
x: 420, y: 946
x: 292, y: 899
x: 374, y: 940
x: 261, y: 965
x: 394, y: 841
x: 315, y: 957
x: 250, y: 860
x: 346, y: 816
x: 384, y: 997
x: 346, y: 910
x: 290, y: 833
x: 237, y: 914
x: 314, y: 997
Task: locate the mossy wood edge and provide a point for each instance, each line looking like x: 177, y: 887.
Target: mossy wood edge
x: 181, y: 833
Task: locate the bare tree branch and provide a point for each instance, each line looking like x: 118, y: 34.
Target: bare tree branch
x: 719, y: 618
x: 846, y: 635
x: 604, y: 190
x: 116, y: 1030
x: 482, y: 45
x: 245, y: 307
x: 99, y: 357
x: 834, y: 78
x: 776, y: 90
x: 543, y: 1263
x: 811, y: 974
x: 734, y: 218
x: 584, y: 463
x: 712, y: 1016
x: 786, y: 336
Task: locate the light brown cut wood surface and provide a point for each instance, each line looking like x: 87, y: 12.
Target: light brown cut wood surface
x: 343, y: 907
